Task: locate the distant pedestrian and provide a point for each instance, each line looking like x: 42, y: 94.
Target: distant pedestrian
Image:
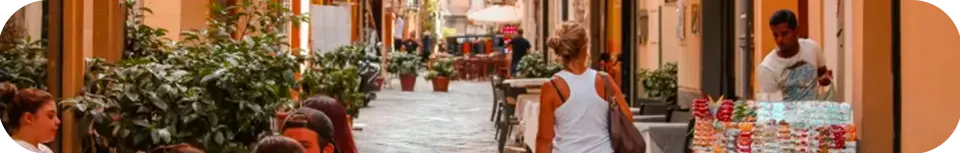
x: 519, y: 47
x: 412, y: 46
x: 428, y: 42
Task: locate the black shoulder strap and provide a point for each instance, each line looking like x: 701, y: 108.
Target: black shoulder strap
x: 558, y: 91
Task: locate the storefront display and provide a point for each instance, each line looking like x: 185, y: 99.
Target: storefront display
x: 760, y: 127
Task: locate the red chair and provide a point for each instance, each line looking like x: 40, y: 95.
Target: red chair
x: 473, y: 67
x: 484, y: 73
x: 460, y: 65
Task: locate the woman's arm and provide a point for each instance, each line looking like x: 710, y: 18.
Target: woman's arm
x: 549, y: 102
x: 621, y: 100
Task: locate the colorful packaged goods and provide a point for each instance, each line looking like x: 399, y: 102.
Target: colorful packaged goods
x: 701, y: 108
x: 725, y: 113
x: 773, y: 127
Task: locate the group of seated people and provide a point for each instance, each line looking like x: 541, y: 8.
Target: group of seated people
x: 320, y: 126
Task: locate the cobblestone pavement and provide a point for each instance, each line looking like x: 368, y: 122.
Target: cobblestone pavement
x: 424, y: 121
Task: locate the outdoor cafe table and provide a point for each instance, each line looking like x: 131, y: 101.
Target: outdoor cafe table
x: 528, y: 100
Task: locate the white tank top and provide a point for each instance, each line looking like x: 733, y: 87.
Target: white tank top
x: 581, y: 121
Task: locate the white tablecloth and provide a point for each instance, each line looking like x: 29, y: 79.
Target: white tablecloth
x: 529, y: 118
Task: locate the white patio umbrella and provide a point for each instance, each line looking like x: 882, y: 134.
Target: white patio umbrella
x: 497, y: 14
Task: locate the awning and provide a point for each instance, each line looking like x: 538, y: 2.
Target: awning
x: 497, y: 14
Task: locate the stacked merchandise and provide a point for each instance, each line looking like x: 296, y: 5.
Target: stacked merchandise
x: 751, y: 127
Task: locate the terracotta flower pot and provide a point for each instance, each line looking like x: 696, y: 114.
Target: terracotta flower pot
x: 441, y: 83
x: 280, y: 117
x: 379, y: 83
x: 407, y: 82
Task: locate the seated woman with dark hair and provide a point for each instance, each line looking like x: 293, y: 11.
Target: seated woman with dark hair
x: 7, y: 91
x: 31, y: 118
x: 311, y: 128
x: 338, y: 116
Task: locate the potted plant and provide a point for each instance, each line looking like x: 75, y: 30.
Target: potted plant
x: 218, y: 89
x: 405, y: 65
x: 660, y: 84
x: 335, y: 73
x: 440, y: 74
x: 535, y: 66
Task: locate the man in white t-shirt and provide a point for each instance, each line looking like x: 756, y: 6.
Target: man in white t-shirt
x: 398, y: 30
x: 796, y: 67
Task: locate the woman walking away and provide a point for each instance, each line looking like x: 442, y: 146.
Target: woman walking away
x: 33, y: 119
x: 278, y: 144
x: 573, y: 110
x: 338, y: 116
x: 311, y: 128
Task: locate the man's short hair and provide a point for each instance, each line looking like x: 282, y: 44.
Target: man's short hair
x: 784, y: 16
x: 520, y: 31
x: 278, y: 144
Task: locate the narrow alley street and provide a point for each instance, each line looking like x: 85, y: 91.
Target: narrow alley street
x: 424, y: 121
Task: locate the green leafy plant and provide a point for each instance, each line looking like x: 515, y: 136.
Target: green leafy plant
x: 660, y: 83
x: 534, y: 66
x: 218, y: 89
x: 142, y: 40
x: 336, y: 74
x: 442, y: 67
x: 432, y: 11
x: 24, y: 64
x: 404, y: 63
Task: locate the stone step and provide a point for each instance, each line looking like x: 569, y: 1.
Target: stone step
x: 649, y: 118
x: 635, y: 110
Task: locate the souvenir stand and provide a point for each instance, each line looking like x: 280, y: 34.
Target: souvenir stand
x: 761, y: 127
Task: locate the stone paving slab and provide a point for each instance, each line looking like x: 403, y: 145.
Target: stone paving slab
x: 424, y: 121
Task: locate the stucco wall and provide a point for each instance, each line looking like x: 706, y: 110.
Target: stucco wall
x: 929, y: 41
x: 166, y: 14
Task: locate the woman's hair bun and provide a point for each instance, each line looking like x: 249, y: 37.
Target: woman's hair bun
x: 569, y: 39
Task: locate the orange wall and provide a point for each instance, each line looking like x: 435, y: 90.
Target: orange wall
x: 194, y: 15
x: 176, y: 15
x: 815, y: 20
x: 166, y: 15
x: 670, y: 42
x: 688, y: 66
x: 614, y: 26
x: 929, y: 110
x: 871, y: 73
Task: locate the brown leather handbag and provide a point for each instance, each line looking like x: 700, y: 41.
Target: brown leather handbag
x: 624, y: 137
